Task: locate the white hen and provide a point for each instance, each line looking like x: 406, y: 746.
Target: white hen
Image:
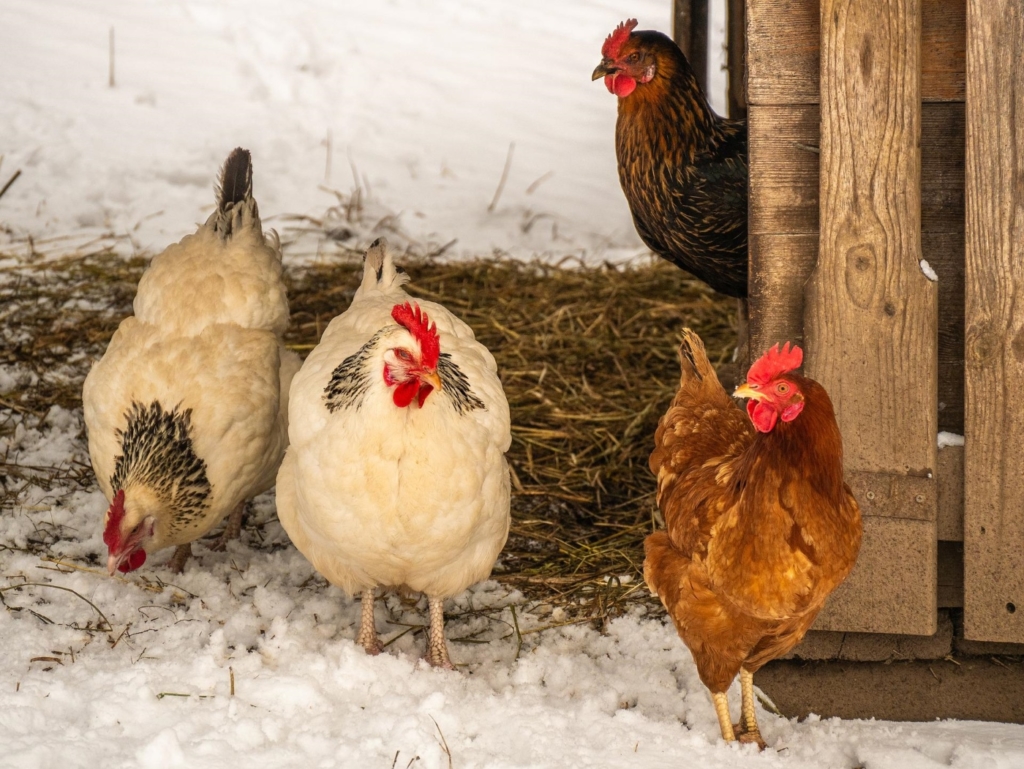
x: 396, y: 473
x: 187, y: 410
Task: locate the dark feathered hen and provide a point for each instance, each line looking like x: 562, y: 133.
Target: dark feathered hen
x: 682, y: 167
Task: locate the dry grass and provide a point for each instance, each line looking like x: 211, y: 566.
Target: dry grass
x: 586, y: 354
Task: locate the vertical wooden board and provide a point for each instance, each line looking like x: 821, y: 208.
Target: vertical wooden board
x: 736, y: 58
x: 779, y: 267
x: 994, y: 348
x: 871, y: 314
x: 783, y: 53
x: 690, y: 31
x: 867, y: 603
x: 783, y: 161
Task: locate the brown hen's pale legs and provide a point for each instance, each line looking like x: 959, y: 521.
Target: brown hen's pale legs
x: 181, y: 555
x: 367, y: 637
x: 437, y: 649
x: 747, y: 729
x: 232, y: 530
x: 721, y: 701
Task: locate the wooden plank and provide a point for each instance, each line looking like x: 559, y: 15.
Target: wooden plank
x: 736, y: 58
x: 867, y: 602
x: 779, y: 268
x: 994, y: 468
x: 871, y: 314
x: 690, y: 31
x: 783, y: 51
x: 784, y: 179
x: 950, y: 475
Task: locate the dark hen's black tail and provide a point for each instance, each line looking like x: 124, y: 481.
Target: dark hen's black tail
x: 235, y: 188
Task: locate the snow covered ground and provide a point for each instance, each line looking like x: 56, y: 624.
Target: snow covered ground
x: 419, y: 100
x: 247, y: 658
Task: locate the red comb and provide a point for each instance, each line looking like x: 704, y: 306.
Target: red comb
x: 613, y: 43
x: 112, y: 531
x: 414, y: 319
x: 775, y: 362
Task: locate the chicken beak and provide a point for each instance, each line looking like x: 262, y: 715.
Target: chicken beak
x: 431, y: 378
x: 113, y: 561
x: 604, y: 69
x: 746, y: 391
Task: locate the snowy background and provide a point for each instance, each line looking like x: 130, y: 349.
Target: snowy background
x: 247, y: 657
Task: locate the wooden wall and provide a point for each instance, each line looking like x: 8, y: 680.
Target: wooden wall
x: 838, y: 228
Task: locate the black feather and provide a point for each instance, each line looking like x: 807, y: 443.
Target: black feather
x: 235, y: 180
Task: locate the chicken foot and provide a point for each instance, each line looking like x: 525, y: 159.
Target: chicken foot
x: 181, y: 555
x: 233, y: 528
x: 437, y: 649
x: 367, y: 637
x: 747, y: 730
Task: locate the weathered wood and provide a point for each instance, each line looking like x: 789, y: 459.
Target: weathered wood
x: 783, y: 51
x: 736, y: 58
x: 779, y: 268
x: 871, y: 314
x: 690, y: 31
x: 950, y: 475
x: 994, y: 464
x: 784, y: 174
x: 894, y: 550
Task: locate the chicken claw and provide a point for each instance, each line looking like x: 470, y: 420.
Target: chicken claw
x: 232, y: 530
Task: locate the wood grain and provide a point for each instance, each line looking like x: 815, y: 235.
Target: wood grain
x: 871, y: 314
x: 994, y: 349
x: 783, y: 51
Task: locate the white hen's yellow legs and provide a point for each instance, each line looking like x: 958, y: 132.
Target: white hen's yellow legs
x: 437, y: 649
x: 367, y: 637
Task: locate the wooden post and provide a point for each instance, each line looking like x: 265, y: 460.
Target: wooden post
x: 690, y: 31
x: 994, y: 349
x: 736, y: 59
x: 871, y: 313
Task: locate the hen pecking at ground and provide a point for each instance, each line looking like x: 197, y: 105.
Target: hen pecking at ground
x: 187, y: 410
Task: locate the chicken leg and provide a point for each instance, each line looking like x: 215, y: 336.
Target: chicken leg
x: 367, y: 637
x: 747, y: 729
x: 233, y: 528
x: 181, y: 555
x: 721, y: 700
x: 437, y: 649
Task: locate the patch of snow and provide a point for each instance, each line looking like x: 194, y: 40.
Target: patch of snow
x: 928, y: 271
x: 950, y: 439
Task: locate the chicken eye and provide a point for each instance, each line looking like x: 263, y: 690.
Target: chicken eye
x: 633, y: 58
x: 782, y: 388
x: 403, y: 355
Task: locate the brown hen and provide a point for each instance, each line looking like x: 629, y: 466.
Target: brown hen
x: 759, y: 526
x: 682, y: 168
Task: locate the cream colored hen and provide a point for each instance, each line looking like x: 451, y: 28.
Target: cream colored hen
x: 187, y: 410
x: 396, y: 472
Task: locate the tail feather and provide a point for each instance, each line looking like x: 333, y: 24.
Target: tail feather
x: 236, y: 208
x: 693, y: 358
x: 235, y: 180
x: 379, y: 271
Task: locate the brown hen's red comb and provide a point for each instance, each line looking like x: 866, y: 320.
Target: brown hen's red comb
x: 414, y: 319
x: 613, y: 43
x: 775, y: 362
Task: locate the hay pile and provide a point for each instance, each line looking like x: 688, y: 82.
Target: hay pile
x: 586, y: 355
